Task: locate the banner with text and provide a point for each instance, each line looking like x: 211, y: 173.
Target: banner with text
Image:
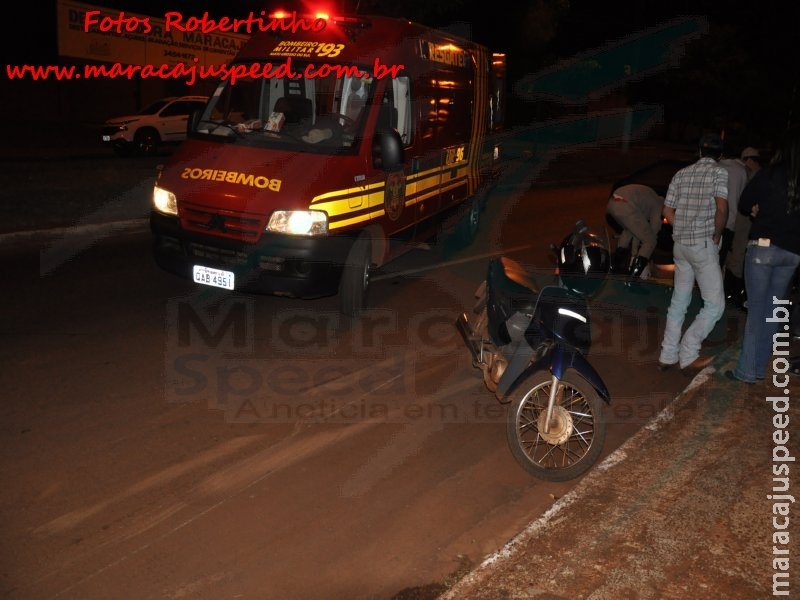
x: 155, y: 47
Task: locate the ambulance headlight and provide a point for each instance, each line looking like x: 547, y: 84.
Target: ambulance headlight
x: 298, y: 222
x: 164, y: 201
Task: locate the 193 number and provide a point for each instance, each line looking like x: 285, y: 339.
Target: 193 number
x: 329, y: 50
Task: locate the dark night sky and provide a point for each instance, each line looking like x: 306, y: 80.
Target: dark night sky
x: 764, y: 27
x: 758, y: 47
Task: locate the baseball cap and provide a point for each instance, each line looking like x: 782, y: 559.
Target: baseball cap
x: 750, y: 152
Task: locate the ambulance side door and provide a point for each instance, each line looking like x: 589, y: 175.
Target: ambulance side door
x: 427, y: 154
x: 455, y: 116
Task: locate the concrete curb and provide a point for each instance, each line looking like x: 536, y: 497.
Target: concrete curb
x: 513, y: 550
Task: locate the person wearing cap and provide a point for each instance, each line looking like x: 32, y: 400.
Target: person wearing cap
x: 696, y: 206
x: 751, y: 159
x: 734, y: 261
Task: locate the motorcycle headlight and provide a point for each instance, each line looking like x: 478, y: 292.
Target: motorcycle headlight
x: 164, y: 201
x: 298, y: 222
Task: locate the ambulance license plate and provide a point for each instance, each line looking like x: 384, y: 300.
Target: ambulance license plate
x: 213, y: 277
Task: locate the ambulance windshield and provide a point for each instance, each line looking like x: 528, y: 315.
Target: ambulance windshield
x: 320, y: 114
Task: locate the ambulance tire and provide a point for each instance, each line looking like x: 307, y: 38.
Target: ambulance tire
x: 354, y: 284
x: 467, y: 227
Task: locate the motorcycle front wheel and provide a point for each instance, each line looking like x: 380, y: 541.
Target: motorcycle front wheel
x: 577, y: 432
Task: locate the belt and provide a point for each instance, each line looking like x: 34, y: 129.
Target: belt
x: 764, y: 242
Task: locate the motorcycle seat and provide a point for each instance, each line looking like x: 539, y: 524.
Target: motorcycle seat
x: 518, y: 274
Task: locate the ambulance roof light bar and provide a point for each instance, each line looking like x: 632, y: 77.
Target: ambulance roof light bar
x: 352, y: 21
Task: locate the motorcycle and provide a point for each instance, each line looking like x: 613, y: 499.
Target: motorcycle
x: 531, y: 344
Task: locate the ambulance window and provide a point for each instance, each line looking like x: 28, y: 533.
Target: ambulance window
x: 356, y: 92
x: 461, y: 114
x: 446, y: 113
x: 402, y: 103
x: 454, y: 108
x: 244, y: 99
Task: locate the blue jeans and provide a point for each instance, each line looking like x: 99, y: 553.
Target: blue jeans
x: 768, y: 272
x: 692, y: 263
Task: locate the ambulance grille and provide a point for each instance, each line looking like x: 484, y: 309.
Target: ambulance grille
x: 218, y: 255
x: 224, y: 223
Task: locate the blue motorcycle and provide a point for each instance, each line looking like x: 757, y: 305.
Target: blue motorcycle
x: 531, y: 344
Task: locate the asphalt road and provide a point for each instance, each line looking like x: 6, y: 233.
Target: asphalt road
x: 144, y: 464
x: 140, y: 465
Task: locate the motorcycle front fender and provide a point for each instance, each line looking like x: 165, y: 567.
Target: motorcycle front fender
x: 562, y: 360
x: 520, y: 366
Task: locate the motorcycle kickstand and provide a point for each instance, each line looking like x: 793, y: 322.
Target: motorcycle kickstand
x: 551, y: 401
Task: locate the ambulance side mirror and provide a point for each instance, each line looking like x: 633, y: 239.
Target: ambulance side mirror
x: 387, y: 151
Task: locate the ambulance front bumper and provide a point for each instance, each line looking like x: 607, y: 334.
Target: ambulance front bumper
x: 281, y: 265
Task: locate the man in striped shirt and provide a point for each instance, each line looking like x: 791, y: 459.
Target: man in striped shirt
x: 696, y: 206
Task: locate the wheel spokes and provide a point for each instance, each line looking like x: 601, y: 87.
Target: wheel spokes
x: 575, y: 447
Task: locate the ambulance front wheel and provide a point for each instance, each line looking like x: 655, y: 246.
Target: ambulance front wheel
x: 354, y: 284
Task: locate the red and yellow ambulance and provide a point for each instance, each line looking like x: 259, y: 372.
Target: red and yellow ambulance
x: 329, y: 147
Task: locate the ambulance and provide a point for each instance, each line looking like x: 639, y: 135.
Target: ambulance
x: 330, y: 146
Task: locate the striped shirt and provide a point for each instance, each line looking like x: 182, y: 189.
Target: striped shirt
x: 691, y: 193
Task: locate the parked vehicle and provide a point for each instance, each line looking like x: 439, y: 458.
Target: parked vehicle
x: 531, y: 344
x: 301, y: 186
x: 161, y: 122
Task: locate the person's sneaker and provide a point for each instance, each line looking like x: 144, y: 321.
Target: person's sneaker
x: 664, y: 366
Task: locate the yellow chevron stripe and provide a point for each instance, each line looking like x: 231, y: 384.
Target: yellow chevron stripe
x: 353, y: 221
x: 351, y: 192
x: 338, y: 204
